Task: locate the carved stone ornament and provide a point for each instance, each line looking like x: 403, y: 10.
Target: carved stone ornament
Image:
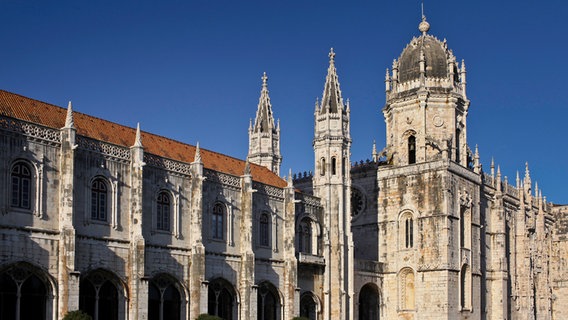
x: 438, y: 121
x: 465, y: 199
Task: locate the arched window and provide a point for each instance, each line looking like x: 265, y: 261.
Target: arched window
x: 163, y: 213
x: 264, y: 230
x: 21, y: 177
x: 322, y: 166
x: 369, y: 303
x: 409, y: 232
x: 268, y: 302
x: 221, y: 299
x: 305, y: 236
x: 411, y: 149
x: 406, y: 289
x: 98, y: 296
x: 164, y: 299
x: 99, y: 200
x: 308, y: 306
x: 217, y: 221
x: 333, y: 166
x: 22, y: 293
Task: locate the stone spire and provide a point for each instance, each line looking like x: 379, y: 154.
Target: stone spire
x: 197, y: 157
x: 264, y: 135
x: 331, y: 101
x: 138, y: 139
x: 69, y: 123
x: 264, y: 121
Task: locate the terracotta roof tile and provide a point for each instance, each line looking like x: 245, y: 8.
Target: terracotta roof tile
x: 16, y: 106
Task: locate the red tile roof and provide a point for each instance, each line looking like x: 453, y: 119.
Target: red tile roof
x: 30, y: 110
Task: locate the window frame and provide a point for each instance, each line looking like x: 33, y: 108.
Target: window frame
x: 264, y: 229
x: 163, y: 222
x: 218, y: 221
x: 30, y: 177
x: 95, y: 214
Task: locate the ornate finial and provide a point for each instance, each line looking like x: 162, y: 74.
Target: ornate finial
x: 424, y: 26
x: 197, y: 157
x: 290, y: 180
x: 69, y: 123
x: 331, y: 56
x: 264, y: 80
x: 138, y: 140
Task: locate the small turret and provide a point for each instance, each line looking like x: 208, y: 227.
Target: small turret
x: 264, y: 135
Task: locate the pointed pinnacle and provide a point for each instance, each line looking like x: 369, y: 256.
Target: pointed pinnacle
x: 331, y: 56
x: 138, y: 139
x: 247, y: 167
x: 197, y: 157
x: 290, y: 181
x: 69, y: 122
x: 527, y: 173
x: 264, y: 80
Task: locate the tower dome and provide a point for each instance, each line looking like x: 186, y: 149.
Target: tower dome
x: 427, y: 48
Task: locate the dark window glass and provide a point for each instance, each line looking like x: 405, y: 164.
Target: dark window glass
x: 21, y: 186
x: 217, y: 221
x: 163, y: 212
x: 264, y: 230
x: 99, y: 195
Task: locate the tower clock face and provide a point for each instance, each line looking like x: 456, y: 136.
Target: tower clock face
x: 357, y: 202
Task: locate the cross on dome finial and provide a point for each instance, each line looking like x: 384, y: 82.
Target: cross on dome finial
x: 424, y: 26
x: 331, y: 55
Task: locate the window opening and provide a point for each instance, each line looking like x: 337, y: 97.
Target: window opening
x: 99, y: 195
x: 163, y: 211
x: 21, y: 186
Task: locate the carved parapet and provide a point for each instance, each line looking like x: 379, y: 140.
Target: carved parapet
x: 306, y: 258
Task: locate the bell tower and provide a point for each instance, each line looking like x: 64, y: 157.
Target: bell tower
x: 426, y: 107
x: 264, y: 136
x: 332, y: 183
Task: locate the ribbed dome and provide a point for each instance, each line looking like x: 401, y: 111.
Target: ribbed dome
x: 435, y: 58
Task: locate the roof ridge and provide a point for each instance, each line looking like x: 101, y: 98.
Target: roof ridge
x: 88, y: 117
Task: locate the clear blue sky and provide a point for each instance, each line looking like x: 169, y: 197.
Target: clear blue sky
x: 191, y: 70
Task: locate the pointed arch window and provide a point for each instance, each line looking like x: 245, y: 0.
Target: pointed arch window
x: 268, y: 302
x: 264, y: 229
x: 20, y: 289
x: 21, y: 177
x: 411, y: 149
x: 99, y: 199
x: 164, y: 299
x: 163, y: 211
x: 217, y: 221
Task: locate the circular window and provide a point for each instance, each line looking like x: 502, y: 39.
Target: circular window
x: 357, y: 202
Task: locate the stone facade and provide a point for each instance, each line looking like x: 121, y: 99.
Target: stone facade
x: 124, y: 224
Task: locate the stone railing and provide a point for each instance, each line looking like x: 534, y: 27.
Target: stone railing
x: 310, y: 259
x: 368, y: 266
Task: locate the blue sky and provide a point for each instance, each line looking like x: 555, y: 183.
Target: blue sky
x: 191, y: 70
